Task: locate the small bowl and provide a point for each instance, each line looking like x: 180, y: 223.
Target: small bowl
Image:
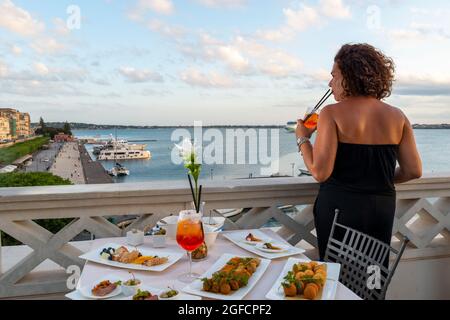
x: 170, y: 225
x: 176, y: 297
x: 159, y: 241
x: 131, y: 290
x: 210, y: 235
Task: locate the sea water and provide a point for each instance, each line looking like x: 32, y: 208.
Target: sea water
x: 433, y: 145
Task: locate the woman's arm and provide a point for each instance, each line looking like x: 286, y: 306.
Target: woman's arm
x: 410, y: 165
x: 320, y: 159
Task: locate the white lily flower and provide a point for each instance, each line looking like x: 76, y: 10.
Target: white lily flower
x: 186, y: 149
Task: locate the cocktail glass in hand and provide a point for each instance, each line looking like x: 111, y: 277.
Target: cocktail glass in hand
x: 190, y: 236
x: 311, y: 118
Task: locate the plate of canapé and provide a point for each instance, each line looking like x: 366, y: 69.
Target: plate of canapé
x: 259, y: 243
x: 231, y: 277
x: 306, y: 280
x: 128, y: 257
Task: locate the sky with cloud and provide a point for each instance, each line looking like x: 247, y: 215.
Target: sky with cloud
x: 170, y: 62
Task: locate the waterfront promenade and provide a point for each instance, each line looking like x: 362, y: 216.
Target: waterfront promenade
x: 68, y: 165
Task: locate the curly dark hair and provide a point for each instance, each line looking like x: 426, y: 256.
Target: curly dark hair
x: 366, y: 71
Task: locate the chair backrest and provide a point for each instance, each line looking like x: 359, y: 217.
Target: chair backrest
x: 364, y: 260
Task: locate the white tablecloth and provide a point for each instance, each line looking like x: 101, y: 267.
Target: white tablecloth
x: 92, y: 271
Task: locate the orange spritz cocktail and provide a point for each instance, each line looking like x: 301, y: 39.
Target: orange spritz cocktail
x: 190, y: 234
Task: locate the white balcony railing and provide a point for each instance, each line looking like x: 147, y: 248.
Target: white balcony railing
x: 422, y: 215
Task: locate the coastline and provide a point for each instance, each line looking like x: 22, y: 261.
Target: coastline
x: 88, y: 126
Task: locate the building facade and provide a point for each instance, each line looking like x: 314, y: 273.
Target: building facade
x: 14, y: 124
x: 4, y: 128
x: 62, y: 137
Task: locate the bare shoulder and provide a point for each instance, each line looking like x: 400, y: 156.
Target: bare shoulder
x: 394, y: 110
x: 396, y: 114
x: 330, y: 109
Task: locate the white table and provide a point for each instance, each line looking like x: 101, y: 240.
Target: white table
x: 92, y: 271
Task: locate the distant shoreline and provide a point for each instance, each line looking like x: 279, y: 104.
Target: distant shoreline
x: 431, y: 126
x: 87, y: 126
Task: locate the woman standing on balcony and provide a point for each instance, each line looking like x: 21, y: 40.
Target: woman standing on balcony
x: 359, y: 140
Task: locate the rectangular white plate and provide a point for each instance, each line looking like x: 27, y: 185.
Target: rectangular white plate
x: 328, y: 292
x: 94, y: 256
x: 238, y: 238
x: 76, y: 295
x: 196, y: 287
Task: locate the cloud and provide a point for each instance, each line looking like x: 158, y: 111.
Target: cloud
x: 267, y: 60
x: 334, y: 9
x: 301, y: 19
x: 211, y: 79
x: 138, y: 12
x: 173, y: 32
x: 35, y: 88
x: 139, y: 76
x: 243, y: 56
x: 48, y: 45
x: 282, y: 34
x: 61, y: 27
x: 41, y: 68
x: 233, y: 58
x: 41, y: 73
x: 422, y: 85
x: 305, y: 17
x: 223, y: 3
x: 16, y: 50
x: 3, y: 70
x: 418, y: 32
x: 101, y: 82
x: 18, y: 20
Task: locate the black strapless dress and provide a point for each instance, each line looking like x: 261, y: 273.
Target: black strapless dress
x: 362, y: 188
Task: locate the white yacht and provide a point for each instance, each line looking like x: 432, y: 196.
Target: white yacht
x: 114, y: 143
x: 121, y: 150
x: 123, y: 153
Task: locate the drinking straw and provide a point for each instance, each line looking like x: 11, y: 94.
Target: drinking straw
x: 192, y: 191
x: 199, y: 198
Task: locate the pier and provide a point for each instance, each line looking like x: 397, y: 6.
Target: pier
x: 94, y: 172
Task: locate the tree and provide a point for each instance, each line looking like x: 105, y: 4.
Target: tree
x: 42, y: 123
x: 21, y: 179
x: 67, y: 129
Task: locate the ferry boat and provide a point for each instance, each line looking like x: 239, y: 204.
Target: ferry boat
x: 290, y: 126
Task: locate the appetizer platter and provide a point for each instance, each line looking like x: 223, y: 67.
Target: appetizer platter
x: 261, y: 244
x: 114, y: 287
x: 306, y: 280
x: 128, y: 257
x: 230, y: 278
